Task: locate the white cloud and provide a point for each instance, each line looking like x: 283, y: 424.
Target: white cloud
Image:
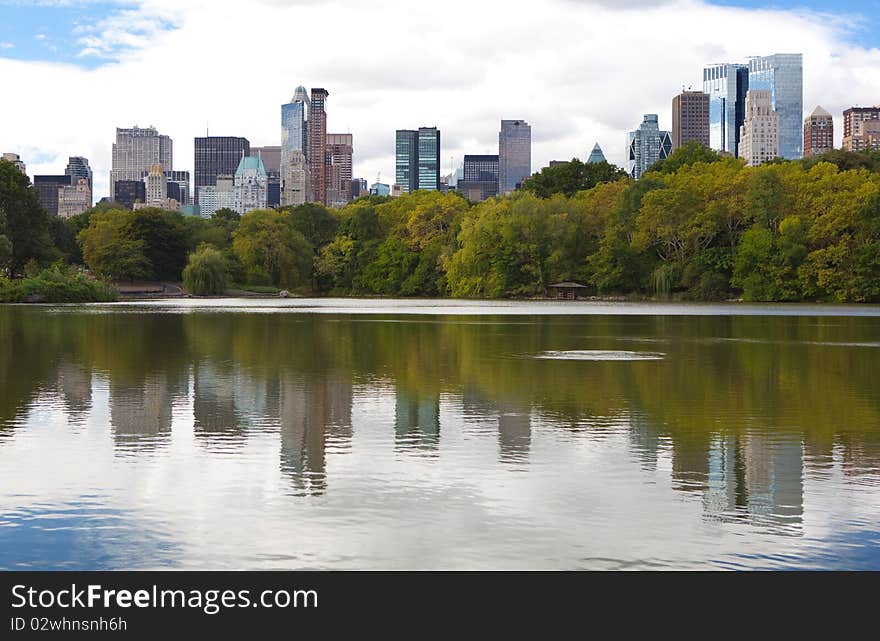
x: 579, y: 71
x: 6, y: 45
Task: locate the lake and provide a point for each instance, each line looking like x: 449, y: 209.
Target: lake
x: 376, y: 434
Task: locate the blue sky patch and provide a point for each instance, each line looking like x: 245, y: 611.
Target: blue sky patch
x: 60, y: 31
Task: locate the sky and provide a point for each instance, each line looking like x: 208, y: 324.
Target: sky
x: 579, y: 71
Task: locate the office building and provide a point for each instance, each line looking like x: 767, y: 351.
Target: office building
x: 782, y: 74
x: 15, y: 159
x: 727, y: 85
x: 317, y: 156
x: 74, y: 199
x: 514, y: 154
x: 47, y: 188
x: 271, y: 157
x: 130, y: 192
x: 359, y: 188
x: 406, y: 161
x: 381, y: 189
x: 220, y: 195
x: 177, y: 186
x: 597, y: 155
x: 861, y: 128
x: 251, y: 185
x: 339, y: 155
x: 759, y: 138
x: 156, y: 187
x: 647, y: 145
x: 135, y: 151
x: 78, y: 167
x: 295, y: 180
x: 429, y: 158
x: 818, y: 133
x: 690, y: 118
x: 217, y: 156
x: 480, y: 179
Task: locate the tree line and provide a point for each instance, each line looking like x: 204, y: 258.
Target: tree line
x: 696, y: 226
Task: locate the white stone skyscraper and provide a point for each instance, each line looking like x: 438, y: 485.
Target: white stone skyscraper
x: 135, y: 151
x: 514, y: 154
x: 759, y: 135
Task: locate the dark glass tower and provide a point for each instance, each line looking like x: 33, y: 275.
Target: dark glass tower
x: 217, y: 156
x: 407, y: 160
x: 429, y: 158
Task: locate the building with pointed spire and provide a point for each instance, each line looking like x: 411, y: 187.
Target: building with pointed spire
x: 597, y: 155
x: 295, y: 148
x: 251, y: 185
x: 818, y: 133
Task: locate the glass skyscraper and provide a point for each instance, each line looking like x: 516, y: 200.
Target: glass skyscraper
x: 727, y: 86
x: 647, y: 145
x: 217, y: 156
x: 782, y: 74
x: 429, y: 158
x: 406, y: 163
x: 514, y: 154
x: 294, y: 133
x: 417, y: 159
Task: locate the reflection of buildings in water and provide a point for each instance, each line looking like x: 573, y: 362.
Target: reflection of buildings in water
x: 313, y: 414
x: 690, y: 466
x: 757, y: 478
x: 860, y: 454
x: 417, y: 419
x: 514, y: 432
x: 228, y: 401
x: 140, y: 413
x: 645, y: 439
x: 75, y: 385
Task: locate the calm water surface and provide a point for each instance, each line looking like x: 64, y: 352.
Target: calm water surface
x: 293, y: 434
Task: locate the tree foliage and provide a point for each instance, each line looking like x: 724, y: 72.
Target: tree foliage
x: 568, y: 178
x: 206, y: 272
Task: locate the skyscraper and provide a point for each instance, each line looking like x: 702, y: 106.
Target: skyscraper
x: 407, y: 160
x: 690, y: 118
x: 15, y: 159
x: 480, y: 179
x: 861, y: 128
x: 135, y: 151
x: 217, y: 156
x: 317, y: 156
x: 177, y: 186
x: 271, y: 157
x: 251, y: 185
x: 597, y: 155
x: 47, y: 191
x: 782, y: 74
x: 156, y: 187
x: 514, y: 154
x: 218, y: 196
x: 727, y: 85
x: 295, y: 147
x: 647, y: 145
x: 759, y: 138
x: 339, y: 152
x: 429, y: 158
x: 130, y: 192
x: 78, y: 167
x: 818, y: 133
x: 74, y: 199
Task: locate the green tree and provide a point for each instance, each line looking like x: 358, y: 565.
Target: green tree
x: 571, y: 177
x: 690, y: 153
x: 110, y: 250
x: 164, y: 237
x: 23, y: 221
x: 205, y: 273
x: 271, y: 251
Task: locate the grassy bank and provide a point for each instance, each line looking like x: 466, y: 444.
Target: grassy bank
x: 56, y: 285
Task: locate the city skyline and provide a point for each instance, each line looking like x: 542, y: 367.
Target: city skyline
x: 371, y: 102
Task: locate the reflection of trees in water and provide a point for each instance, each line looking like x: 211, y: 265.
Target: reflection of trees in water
x: 725, y: 383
